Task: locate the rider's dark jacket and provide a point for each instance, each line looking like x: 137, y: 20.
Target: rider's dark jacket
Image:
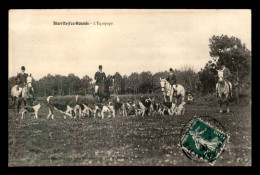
x: 22, y: 78
x: 227, y: 74
x: 99, y: 77
x: 171, y: 79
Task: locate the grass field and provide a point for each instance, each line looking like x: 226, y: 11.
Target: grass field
x: 122, y: 141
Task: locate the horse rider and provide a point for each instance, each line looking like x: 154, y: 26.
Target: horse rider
x: 172, y: 78
x: 100, y: 76
x: 227, y: 76
x: 22, y: 80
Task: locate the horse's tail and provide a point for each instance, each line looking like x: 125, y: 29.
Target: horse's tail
x: 13, y: 99
x: 77, y: 97
x: 48, y: 99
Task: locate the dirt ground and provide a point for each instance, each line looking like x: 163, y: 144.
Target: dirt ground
x: 122, y: 141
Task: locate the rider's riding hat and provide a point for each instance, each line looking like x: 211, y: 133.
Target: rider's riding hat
x: 171, y: 70
x: 100, y: 66
x: 23, y: 68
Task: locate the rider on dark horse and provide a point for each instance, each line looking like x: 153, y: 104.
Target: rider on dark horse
x: 100, y: 76
x: 22, y: 80
x: 172, y: 79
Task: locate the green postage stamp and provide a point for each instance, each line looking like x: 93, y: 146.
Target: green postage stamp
x: 203, y: 140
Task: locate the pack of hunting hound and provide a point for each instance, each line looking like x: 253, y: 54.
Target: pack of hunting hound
x: 145, y: 106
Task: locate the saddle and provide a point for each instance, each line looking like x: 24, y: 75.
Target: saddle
x: 19, y: 86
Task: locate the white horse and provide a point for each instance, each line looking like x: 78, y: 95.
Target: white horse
x: 176, y: 92
x: 27, y: 92
x: 223, y: 90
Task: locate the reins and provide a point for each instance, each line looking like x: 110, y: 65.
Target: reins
x: 165, y: 88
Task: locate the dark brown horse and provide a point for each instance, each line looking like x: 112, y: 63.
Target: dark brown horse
x: 104, y: 89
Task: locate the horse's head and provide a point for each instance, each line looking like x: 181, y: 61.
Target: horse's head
x: 220, y: 76
x: 162, y: 83
x: 109, y: 83
x: 29, y: 84
x: 29, y: 80
x: 112, y: 78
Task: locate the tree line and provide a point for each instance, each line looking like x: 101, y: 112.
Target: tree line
x: 135, y: 83
x: 229, y: 50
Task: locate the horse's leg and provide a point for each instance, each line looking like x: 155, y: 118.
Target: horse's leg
x: 164, y: 96
x: 18, y: 108
x: 182, y: 98
x: 230, y: 89
x: 217, y: 89
x: 227, y: 103
x: 171, y: 94
x: 13, y: 101
x: 175, y: 100
x: 220, y: 103
x: 18, y: 105
x: 23, y: 115
x: 25, y: 102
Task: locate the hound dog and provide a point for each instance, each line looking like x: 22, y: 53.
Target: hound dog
x: 128, y: 108
x: 181, y: 109
x: 146, y: 104
x: 86, y: 111
x: 31, y: 110
x: 140, y: 108
x: 81, y: 109
x: 123, y: 108
x: 168, y: 108
x: 154, y: 107
x: 161, y: 109
x: 109, y: 108
x: 97, y: 110
x: 64, y: 109
x: 117, y: 104
x: 105, y: 109
x: 190, y: 98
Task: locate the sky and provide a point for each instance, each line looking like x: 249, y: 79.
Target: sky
x: 138, y: 40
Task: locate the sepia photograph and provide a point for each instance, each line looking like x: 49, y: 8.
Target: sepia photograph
x: 129, y: 87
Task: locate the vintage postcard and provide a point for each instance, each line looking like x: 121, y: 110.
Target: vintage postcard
x: 129, y: 87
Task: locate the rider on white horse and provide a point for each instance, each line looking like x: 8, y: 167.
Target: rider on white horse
x: 100, y: 76
x: 172, y: 80
x: 226, y: 76
x: 22, y: 80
